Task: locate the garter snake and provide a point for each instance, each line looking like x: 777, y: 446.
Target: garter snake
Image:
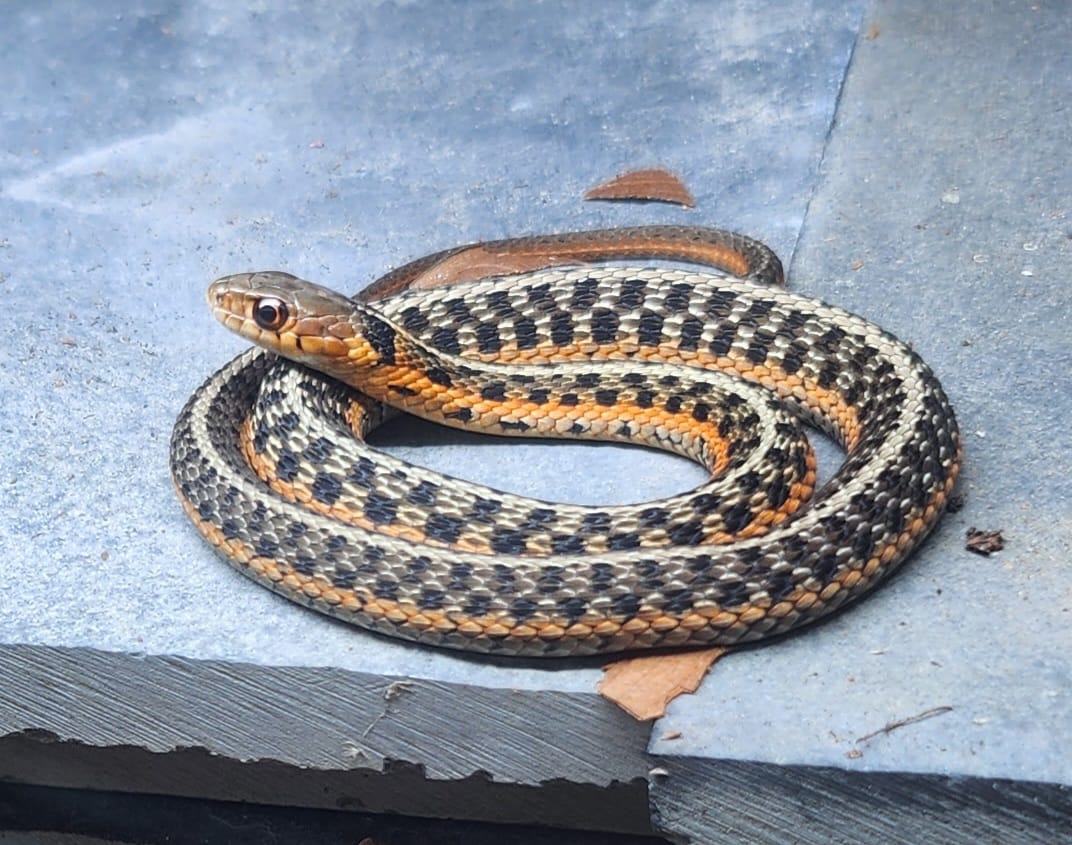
x: 705, y: 365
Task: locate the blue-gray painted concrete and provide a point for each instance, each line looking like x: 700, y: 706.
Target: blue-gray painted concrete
x: 149, y: 147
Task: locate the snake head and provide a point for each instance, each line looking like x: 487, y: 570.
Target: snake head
x: 297, y: 319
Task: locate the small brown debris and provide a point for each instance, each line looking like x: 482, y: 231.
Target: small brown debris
x: 644, y: 686
x: 872, y: 32
x: 983, y: 542
x: 856, y: 265
x: 645, y: 185
x: 955, y: 503
x: 669, y: 735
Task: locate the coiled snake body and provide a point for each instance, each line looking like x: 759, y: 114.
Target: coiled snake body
x: 707, y: 366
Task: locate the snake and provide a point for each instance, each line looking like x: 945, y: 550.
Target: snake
x: 721, y: 365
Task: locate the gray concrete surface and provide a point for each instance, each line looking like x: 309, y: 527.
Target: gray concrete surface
x: 148, y: 147
x: 943, y: 213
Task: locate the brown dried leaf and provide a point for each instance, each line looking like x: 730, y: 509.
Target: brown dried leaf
x: 983, y: 542
x: 478, y: 263
x: 657, y: 185
x: 644, y: 686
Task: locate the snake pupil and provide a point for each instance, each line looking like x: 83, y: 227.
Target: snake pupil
x: 270, y: 313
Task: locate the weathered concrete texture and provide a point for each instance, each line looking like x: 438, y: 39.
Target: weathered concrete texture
x: 148, y: 147
x: 943, y: 213
x: 317, y: 738
x: 698, y: 801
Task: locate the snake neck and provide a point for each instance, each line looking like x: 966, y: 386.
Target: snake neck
x: 388, y: 364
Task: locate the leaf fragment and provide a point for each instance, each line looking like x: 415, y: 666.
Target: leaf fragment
x: 653, y: 184
x: 644, y: 686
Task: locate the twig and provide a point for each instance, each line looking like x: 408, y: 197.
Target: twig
x: 890, y: 727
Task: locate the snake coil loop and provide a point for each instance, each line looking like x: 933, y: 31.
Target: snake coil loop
x: 718, y: 369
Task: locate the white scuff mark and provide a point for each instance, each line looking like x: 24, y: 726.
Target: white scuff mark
x: 158, y: 167
x: 951, y: 195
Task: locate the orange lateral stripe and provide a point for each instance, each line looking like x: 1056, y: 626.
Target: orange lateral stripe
x: 826, y: 402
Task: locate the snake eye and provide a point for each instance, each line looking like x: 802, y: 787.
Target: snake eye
x: 270, y: 313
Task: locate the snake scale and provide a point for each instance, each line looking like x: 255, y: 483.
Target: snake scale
x: 720, y: 369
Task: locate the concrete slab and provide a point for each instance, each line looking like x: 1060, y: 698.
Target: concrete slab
x: 150, y: 147
x: 943, y: 214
